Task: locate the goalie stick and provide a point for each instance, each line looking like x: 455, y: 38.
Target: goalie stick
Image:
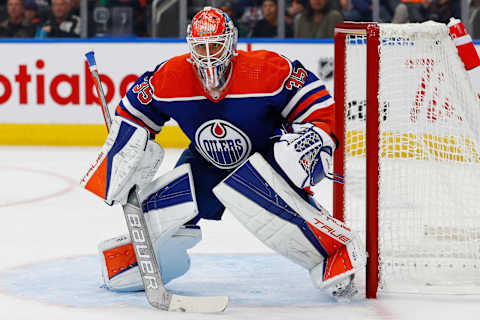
x: 157, y: 295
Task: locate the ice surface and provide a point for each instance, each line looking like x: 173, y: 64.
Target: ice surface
x: 50, y: 228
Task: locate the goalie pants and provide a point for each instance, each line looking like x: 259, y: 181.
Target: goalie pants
x: 206, y: 176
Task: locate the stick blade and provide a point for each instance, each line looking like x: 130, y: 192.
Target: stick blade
x: 198, y: 304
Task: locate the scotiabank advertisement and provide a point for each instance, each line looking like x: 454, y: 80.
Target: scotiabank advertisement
x: 50, y: 82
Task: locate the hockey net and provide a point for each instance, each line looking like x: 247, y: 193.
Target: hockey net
x: 409, y: 121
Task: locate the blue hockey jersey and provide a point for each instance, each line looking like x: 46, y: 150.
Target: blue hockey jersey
x: 265, y: 91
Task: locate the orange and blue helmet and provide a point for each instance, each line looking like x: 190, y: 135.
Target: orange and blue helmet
x: 212, y: 41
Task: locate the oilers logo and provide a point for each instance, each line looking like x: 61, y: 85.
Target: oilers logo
x: 222, y: 143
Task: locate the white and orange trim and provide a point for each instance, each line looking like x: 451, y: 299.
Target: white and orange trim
x: 142, y: 117
x: 299, y: 95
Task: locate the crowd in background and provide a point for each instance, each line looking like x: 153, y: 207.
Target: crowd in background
x: 253, y: 18
x: 40, y: 19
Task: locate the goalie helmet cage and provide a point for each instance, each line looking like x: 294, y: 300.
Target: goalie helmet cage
x: 408, y: 122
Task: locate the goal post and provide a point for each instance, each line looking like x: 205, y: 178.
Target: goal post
x: 408, y: 121
x: 359, y: 31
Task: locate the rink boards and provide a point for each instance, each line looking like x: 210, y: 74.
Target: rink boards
x: 47, y: 95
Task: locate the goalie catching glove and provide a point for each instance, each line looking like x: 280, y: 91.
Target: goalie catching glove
x: 305, y: 154
x: 127, y: 158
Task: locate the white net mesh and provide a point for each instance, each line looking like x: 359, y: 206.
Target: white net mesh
x: 429, y: 217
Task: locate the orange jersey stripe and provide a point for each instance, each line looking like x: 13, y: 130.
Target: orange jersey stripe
x: 325, y: 127
x: 305, y: 104
x: 128, y: 116
x: 323, y: 118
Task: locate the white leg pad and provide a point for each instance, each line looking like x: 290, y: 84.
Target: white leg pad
x: 269, y: 208
x: 280, y: 235
x: 168, y: 202
x: 172, y: 257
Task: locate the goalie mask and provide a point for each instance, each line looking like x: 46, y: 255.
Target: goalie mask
x: 212, y: 41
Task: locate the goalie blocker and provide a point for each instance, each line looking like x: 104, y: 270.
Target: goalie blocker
x: 127, y: 158
x: 269, y: 208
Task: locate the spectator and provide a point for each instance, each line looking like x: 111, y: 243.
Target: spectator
x: 61, y: 23
x: 423, y: 10
x: 267, y: 27
x: 42, y: 9
x: 242, y: 5
x: 411, y: 11
x: 129, y: 17
x: 357, y: 10
x: 31, y: 14
x: 443, y: 10
x: 345, y: 5
x: 318, y: 20
x: 295, y: 8
x: 16, y: 25
x: 387, y: 9
x: 3, y: 10
x: 229, y: 8
x: 252, y: 14
x: 75, y: 7
x: 475, y: 19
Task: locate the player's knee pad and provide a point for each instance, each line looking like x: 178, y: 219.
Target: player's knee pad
x: 119, y: 264
x: 268, y: 207
x: 168, y: 202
